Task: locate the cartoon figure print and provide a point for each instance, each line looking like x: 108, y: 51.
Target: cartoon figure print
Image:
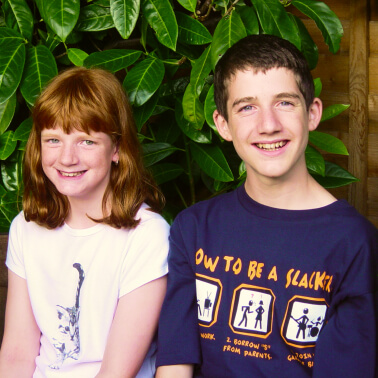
x: 68, y: 343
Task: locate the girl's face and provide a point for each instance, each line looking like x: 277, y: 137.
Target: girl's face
x: 78, y: 164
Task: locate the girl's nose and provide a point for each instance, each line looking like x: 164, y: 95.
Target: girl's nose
x: 68, y: 155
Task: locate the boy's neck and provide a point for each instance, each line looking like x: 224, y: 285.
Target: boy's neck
x: 304, y: 195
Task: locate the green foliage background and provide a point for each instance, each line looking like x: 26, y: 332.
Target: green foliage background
x: 164, y: 52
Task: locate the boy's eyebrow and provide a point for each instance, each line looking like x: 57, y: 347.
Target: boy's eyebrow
x: 253, y: 98
x: 243, y: 99
x: 288, y: 95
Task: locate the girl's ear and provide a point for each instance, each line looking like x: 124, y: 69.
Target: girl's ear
x: 315, y: 114
x: 115, y: 158
x: 222, y: 126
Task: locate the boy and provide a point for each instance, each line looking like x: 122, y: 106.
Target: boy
x: 275, y: 279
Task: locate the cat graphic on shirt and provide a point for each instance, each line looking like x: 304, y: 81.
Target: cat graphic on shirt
x: 68, y: 343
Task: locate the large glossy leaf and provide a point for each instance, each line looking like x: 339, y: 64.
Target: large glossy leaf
x: 335, y: 176
x: 112, y: 60
x: 228, y: 31
x: 160, y: 16
x: 18, y: 16
x: 193, y: 108
x: 10, y: 206
x: 144, y: 112
x: 11, y: 172
x: 22, y: 132
x: 191, y: 31
x: 314, y: 161
x: 77, y: 56
x: 61, y: 16
x: 125, y: 15
x: 308, y: 46
x: 94, y: 18
x: 165, y: 172
x: 190, y: 5
x: 40, y: 67
x: 209, y: 108
x: 275, y: 20
x: 325, y: 19
x: 7, y: 110
x: 211, y: 160
x: 327, y: 142
x: 12, y: 60
x: 249, y: 18
x: 190, y: 130
x: 154, y: 152
x: 333, y: 110
x: 200, y: 71
x: 318, y: 86
x: 7, y: 145
x: 143, y: 80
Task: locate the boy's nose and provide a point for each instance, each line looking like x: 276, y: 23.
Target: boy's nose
x: 269, y: 123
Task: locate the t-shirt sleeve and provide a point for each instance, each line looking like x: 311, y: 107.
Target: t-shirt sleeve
x: 347, y: 345
x: 178, y: 337
x: 146, y: 257
x: 15, y: 260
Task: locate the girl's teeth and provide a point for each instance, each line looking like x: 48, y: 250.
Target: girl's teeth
x: 72, y: 174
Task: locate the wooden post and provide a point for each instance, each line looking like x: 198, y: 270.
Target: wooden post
x: 358, y: 92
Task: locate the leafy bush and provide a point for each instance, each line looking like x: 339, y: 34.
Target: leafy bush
x: 164, y: 52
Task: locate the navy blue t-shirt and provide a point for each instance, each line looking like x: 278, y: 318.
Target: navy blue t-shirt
x: 265, y: 292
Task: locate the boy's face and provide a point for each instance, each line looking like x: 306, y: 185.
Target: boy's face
x: 268, y: 123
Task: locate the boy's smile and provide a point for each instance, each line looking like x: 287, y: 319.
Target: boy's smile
x: 268, y: 123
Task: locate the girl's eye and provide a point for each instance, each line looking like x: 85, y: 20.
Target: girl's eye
x: 53, y: 140
x: 88, y: 142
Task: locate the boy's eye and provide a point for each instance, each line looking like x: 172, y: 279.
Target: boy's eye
x: 246, y: 108
x: 286, y: 103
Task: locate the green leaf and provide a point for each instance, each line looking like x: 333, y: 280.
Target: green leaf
x: 211, y: 160
x: 209, y: 108
x: 200, y: 71
x: 332, y: 111
x: 228, y: 31
x: 314, y: 161
x: 7, y: 110
x: 10, y: 206
x: 19, y: 17
x: 112, y: 60
x: 193, y: 108
x: 144, y: 112
x: 190, y: 5
x: 154, y: 152
x: 335, y: 176
x: 40, y: 68
x: 143, y: 80
x: 61, y: 16
x: 318, y: 87
x: 191, y: 31
x: 328, y: 143
x: 125, y: 15
x: 308, y: 46
x: 7, y: 145
x: 161, y: 18
x: 77, y: 56
x: 249, y: 18
x: 94, y: 18
x: 326, y: 20
x: 275, y: 20
x: 165, y: 172
x: 12, y: 60
x: 189, y: 129
x: 11, y: 172
x: 22, y: 132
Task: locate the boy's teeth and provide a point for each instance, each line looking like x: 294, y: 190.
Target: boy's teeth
x: 71, y: 174
x: 270, y: 146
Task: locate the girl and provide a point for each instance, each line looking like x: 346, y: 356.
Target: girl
x: 87, y: 256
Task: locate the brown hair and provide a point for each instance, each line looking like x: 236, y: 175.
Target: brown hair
x: 261, y: 52
x: 88, y: 100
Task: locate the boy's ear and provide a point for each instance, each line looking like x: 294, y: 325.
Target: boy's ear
x: 315, y: 114
x: 222, y: 126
